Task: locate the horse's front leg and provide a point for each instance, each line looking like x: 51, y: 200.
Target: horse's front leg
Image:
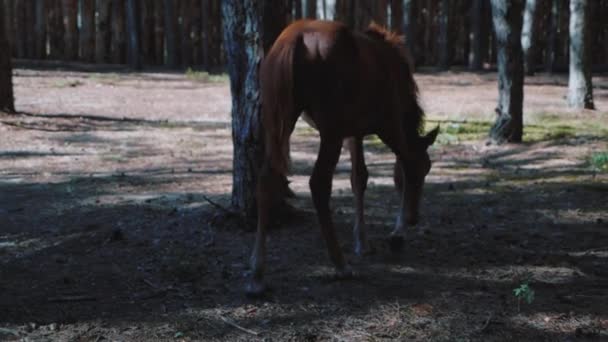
x: 320, y: 187
x: 358, y: 182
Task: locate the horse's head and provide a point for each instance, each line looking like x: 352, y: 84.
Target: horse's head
x: 415, y: 173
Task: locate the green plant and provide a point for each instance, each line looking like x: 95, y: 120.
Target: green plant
x: 599, y: 161
x: 205, y: 77
x: 524, y: 292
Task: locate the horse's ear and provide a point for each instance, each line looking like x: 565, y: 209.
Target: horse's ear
x: 429, y: 139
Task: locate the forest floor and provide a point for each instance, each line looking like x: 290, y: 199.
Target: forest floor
x: 106, y: 233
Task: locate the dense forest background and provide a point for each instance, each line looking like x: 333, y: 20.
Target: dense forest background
x: 188, y: 33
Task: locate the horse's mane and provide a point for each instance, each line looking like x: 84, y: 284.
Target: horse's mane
x: 397, y: 42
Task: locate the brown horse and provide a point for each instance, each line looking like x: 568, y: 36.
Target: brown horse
x: 350, y: 85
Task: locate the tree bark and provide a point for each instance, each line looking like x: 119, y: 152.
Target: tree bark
x: 40, y: 30
x: 475, y: 62
x: 243, y: 37
x: 311, y: 9
x: 118, y: 33
x: 7, y: 102
x: 205, y: 31
x: 159, y: 33
x: 186, y: 31
x: 133, y: 46
x: 20, y: 23
x: 146, y: 29
x: 527, y: 36
x: 553, y: 36
x: 9, y: 24
x: 297, y: 5
x: 171, y: 33
x: 102, y: 31
x: 507, y: 19
x: 55, y: 29
x: 70, y: 24
x: 443, y: 41
x: 580, y: 89
x: 249, y: 26
x: 87, y: 30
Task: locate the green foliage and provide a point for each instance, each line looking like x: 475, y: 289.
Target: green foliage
x: 599, y: 161
x: 205, y: 77
x: 524, y: 292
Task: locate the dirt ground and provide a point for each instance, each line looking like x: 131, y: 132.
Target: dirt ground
x: 106, y: 233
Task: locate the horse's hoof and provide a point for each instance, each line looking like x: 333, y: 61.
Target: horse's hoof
x: 255, y: 288
x: 396, y: 243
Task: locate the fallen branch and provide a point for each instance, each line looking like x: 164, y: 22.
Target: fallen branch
x: 71, y: 298
x: 218, y: 206
x: 233, y: 324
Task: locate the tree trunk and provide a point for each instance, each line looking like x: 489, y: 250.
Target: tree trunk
x: 19, y: 22
x: 215, y: 34
x: 297, y: 5
x: 345, y: 12
x: 9, y: 24
x: 553, y: 35
x: 133, y: 46
x: 118, y: 34
x: 580, y: 89
x: 324, y: 9
x: 311, y: 9
x: 186, y: 31
x: 70, y: 24
x: 30, y: 29
x: 159, y: 33
x: 205, y: 31
x: 171, y: 33
x: 245, y: 25
x: 87, y: 30
x: 443, y: 41
x: 397, y: 16
x: 40, y: 30
x: 7, y: 102
x: 146, y: 29
x: 102, y: 34
x: 475, y: 62
x: 55, y: 29
x: 527, y: 36
x: 507, y: 18
x: 243, y: 37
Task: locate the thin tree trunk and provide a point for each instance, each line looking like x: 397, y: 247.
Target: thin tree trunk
x: 324, y: 9
x: 397, y: 16
x: 205, y: 31
x: 159, y: 33
x: 443, y: 41
x: 186, y: 31
x: 118, y: 34
x: 9, y: 24
x: 40, y: 30
x: 30, y: 28
x: 146, y: 29
x: 311, y: 9
x: 196, y: 32
x: 87, y: 30
x: 297, y: 4
x: 20, y: 23
x: 527, y: 36
x: 171, y: 33
x: 55, y: 29
x: 132, y: 24
x: 580, y: 89
x: 70, y: 24
x: 409, y: 27
x: 215, y: 36
x: 102, y: 31
x: 507, y: 18
x: 475, y: 38
x: 7, y: 102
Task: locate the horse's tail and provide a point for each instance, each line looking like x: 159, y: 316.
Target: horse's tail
x: 278, y: 103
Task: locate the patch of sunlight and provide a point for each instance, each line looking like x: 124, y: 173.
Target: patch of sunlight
x: 205, y: 77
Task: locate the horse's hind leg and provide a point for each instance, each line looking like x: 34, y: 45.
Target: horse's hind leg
x: 358, y: 182
x: 268, y: 192
x: 320, y: 187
